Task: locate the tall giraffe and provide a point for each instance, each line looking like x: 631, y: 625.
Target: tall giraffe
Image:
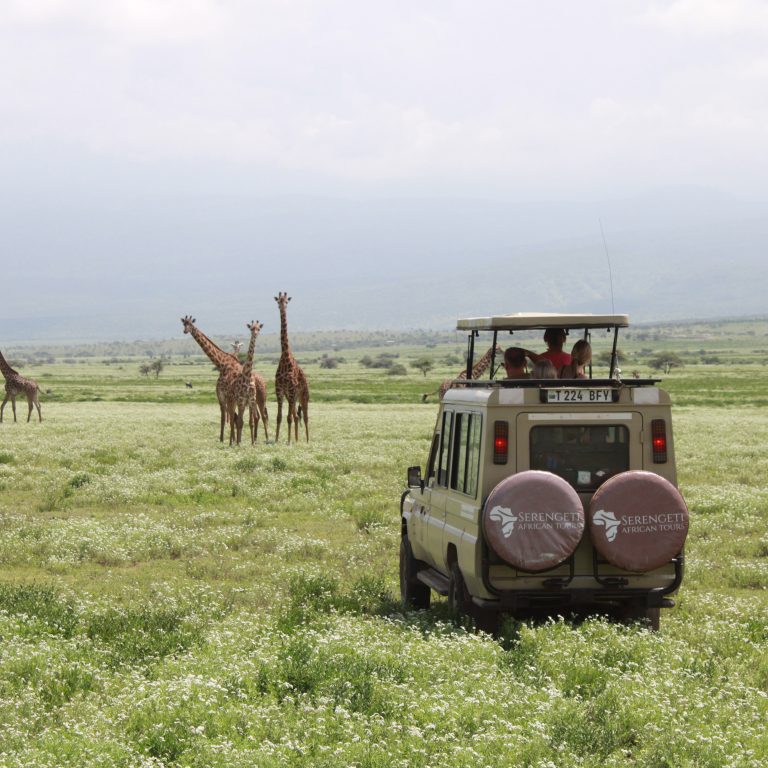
x: 247, y: 389
x: 16, y: 384
x: 478, y: 369
x: 224, y: 362
x: 290, y: 381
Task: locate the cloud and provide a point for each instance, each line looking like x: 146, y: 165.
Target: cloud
x: 442, y: 94
x: 128, y: 21
x: 711, y: 17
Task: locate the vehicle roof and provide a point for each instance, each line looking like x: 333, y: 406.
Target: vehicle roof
x: 519, y: 321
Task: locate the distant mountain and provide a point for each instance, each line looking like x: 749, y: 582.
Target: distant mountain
x: 125, y: 272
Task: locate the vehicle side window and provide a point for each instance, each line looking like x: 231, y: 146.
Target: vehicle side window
x: 473, y: 457
x: 445, y: 442
x: 466, y: 453
x: 433, y: 456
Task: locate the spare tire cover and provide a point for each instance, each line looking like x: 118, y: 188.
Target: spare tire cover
x: 533, y: 520
x: 638, y: 521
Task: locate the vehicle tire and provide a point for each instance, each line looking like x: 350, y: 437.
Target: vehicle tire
x: 533, y: 520
x: 487, y: 620
x: 413, y: 593
x: 638, y: 521
x: 459, y: 600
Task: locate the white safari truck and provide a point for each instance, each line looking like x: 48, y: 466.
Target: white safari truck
x: 554, y: 496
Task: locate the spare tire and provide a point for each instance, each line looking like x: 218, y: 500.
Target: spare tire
x: 638, y: 521
x: 533, y: 520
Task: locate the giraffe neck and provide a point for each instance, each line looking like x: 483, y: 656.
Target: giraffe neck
x: 479, y: 368
x: 248, y: 364
x: 217, y: 356
x: 284, y: 331
x: 8, y: 372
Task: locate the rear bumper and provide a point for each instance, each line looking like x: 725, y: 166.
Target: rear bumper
x: 561, y: 592
x: 574, y: 600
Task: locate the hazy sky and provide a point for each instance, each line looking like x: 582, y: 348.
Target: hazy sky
x: 123, y: 122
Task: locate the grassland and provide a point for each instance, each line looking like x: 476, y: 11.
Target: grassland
x: 166, y: 600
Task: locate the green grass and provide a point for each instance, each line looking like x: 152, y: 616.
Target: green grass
x: 103, y: 372
x: 167, y: 600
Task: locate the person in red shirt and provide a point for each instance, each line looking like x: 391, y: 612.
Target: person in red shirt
x: 554, y: 338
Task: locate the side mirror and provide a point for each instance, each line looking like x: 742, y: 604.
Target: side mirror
x: 414, y: 478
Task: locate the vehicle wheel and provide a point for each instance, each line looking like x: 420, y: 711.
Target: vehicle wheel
x: 459, y: 600
x: 413, y: 593
x: 487, y: 620
x: 617, y: 506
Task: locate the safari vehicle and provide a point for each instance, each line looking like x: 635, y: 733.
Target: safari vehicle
x: 546, y: 496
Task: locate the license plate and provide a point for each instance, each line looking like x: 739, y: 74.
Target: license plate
x: 580, y: 395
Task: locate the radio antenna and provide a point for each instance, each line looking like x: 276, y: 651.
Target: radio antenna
x: 608, y: 259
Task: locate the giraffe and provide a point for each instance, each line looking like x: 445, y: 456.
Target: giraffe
x: 243, y: 391
x: 257, y: 406
x: 224, y: 362
x: 478, y: 369
x: 290, y: 381
x: 16, y: 384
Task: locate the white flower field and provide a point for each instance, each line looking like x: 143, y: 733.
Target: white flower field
x: 166, y: 600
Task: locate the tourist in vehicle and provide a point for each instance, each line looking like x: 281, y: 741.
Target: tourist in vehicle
x: 581, y: 356
x: 554, y: 338
x: 544, y: 369
x: 515, y: 364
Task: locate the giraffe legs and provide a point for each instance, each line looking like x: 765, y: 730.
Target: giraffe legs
x: 33, y: 402
x: 30, y: 391
x: 253, y: 422
x: 240, y: 422
x: 279, y: 417
x: 260, y: 404
x: 293, y: 420
x: 233, y: 423
x: 293, y: 417
x: 12, y: 398
x: 259, y: 413
x: 264, y: 417
x: 222, y: 398
x: 223, y: 410
x: 303, y: 412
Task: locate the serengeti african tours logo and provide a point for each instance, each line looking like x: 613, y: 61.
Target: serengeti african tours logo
x: 607, y: 519
x: 662, y: 522
x: 533, y: 521
x: 504, y: 516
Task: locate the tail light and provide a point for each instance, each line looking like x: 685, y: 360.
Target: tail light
x: 659, y: 441
x: 500, y: 442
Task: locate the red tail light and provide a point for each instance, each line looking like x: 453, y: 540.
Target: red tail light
x: 500, y: 442
x: 659, y: 441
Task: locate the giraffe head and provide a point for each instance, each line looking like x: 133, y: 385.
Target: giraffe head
x: 188, y: 322
x: 282, y: 298
x: 236, y: 345
x: 255, y: 327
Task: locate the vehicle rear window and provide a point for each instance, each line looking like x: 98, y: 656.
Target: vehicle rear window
x: 585, y: 456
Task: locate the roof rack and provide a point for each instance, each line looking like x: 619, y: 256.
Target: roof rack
x: 544, y: 383
x: 522, y: 321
